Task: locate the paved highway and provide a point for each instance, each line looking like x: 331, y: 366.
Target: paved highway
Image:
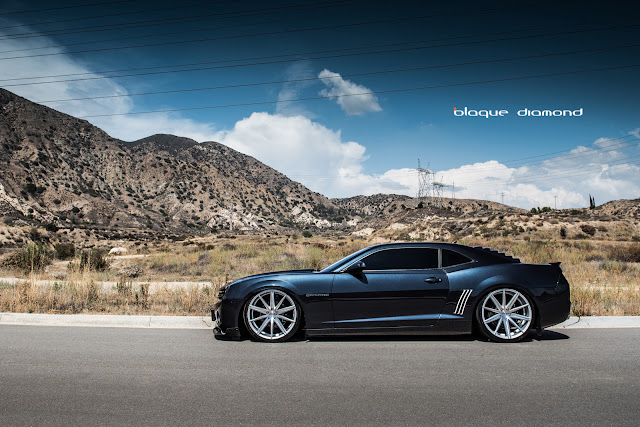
x: 118, y: 376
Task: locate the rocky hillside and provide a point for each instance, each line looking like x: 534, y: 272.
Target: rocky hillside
x: 64, y: 172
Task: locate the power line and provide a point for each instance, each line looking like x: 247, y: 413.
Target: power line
x: 64, y: 7
x: 267, y: 33
x: 198, y: 30
x: 367, y: 93
x: 308, y: 53
x: 297, y: 59
x: 163, y: 21
x: 342, y: 75
x: 85, y: 18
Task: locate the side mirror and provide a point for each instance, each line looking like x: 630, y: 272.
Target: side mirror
x: 355, y: 268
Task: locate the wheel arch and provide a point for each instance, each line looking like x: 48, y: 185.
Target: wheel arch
x: 263, y: 286
x: 492, y: 287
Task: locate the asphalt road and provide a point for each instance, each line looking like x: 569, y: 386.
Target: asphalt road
x: 111, y: 376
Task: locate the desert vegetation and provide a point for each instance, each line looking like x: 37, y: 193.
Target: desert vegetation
x: 184, y: 278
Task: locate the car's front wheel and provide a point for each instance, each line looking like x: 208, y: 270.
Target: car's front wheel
x: 505, y: 315
x: 272, y: 315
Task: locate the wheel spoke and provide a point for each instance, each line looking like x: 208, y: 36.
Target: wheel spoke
x: 492, y: 318
x: 263, y: 302
x: 519, y: 308
x: 264, y: 316
x: 272, y: 301
x: 515, y: 324
x: 279, y: 316
x: 520, y: 317
x: 280, y: 325
x: 271, y: 320
x: 264, y: 324
x: 259, y: 309
x: 280, y: 303
x: 285, y: 310
x: 507, y: 328
x: 491, y: 310
x: 495, y: 332
x: 514, y: 298
x: 495, y: 301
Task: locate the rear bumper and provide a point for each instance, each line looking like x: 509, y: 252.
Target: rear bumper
x: 555, y: 310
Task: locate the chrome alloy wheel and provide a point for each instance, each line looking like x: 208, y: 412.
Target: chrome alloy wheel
x: 506, y: 314
x: 271, y: 315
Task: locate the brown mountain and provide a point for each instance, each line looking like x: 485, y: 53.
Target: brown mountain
x: 60, y: 170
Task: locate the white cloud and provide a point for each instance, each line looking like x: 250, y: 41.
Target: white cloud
x: 345, y: 92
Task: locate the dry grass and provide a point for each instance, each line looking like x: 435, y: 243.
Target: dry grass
x: 604, y: 276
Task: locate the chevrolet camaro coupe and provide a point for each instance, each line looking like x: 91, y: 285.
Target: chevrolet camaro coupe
x: 399, y: 288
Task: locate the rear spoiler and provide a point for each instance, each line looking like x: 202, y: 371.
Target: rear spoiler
x: 556, y: 264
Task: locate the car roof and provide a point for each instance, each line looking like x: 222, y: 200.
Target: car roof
x: 478, y: 251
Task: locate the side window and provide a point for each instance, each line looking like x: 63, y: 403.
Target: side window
x: 450, y: 258
x: 402, y: 259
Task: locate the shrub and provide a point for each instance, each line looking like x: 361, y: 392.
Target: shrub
x: 51, y: 227
x: 588, y: 229
x: 91, y: 260
x: 307, y: 233
x: 624, y: 253
x: 65, y: 251
x: 30, y: 188
x: 33, y: 257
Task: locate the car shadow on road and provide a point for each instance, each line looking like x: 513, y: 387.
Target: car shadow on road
x: 545, y: 336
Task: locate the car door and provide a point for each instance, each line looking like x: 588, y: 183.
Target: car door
x: 400, y: 286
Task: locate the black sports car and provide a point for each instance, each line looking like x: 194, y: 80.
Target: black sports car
x: 399, y: 288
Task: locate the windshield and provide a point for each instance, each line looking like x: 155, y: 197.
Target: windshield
x: 344, y: 260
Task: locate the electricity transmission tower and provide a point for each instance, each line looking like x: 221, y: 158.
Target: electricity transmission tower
x: 425, y: 181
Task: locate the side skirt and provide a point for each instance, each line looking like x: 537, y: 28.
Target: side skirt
x: 443, y: 327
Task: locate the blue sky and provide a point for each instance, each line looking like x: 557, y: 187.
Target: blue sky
x: 367, y: 143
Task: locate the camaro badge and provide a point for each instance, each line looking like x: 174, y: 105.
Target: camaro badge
x: 316, y: 295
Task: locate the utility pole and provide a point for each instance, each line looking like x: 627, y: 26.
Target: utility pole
x: 502, y: 197
x: 555, y: 204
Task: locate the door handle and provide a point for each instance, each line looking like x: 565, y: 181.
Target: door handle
x: 433, y: 280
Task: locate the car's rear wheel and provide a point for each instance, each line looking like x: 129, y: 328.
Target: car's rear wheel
x: 505, y: 315
x: 272, y: 316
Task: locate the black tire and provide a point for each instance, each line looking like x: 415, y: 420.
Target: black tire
x: 502, y: 311
x: 272, y: 315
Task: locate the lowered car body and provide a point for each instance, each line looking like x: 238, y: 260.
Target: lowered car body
x: 399, y: 288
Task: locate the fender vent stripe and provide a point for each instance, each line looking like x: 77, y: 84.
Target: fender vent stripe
x: 462, y: 302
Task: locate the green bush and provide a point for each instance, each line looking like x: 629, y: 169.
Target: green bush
x: 65, y: 251
x: 306, y: 233
x: 33, y: 257
x: 91, y: 260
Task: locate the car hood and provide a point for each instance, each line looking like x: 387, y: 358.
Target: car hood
x: 269, y: 275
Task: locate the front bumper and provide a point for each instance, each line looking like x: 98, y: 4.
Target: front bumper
x: 224, y: 315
